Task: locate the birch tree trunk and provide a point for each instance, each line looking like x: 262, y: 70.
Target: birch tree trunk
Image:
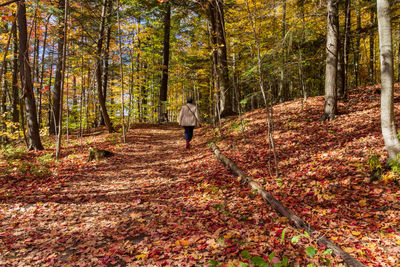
x: 330, y: 107
x: 389, y: 130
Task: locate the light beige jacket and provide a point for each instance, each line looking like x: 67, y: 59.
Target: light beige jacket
x: 187, y: 117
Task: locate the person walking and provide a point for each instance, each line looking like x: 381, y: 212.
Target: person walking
x: 189, y: 119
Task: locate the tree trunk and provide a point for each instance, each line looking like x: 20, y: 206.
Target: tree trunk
x: 162, y: 112
x: 121, y: 68
x: 64, y: 58
x: 357, y: 49
x: 282, y: 94
x: 389, y: 130
x: 371, y: 44
x: 346, y: 48
x: 107, y: 56
x: 99, y: 75
x: 3, y: 106
x: 42, y: 70
x: 34, y: 142
x: 56, y: 94
x: 225, y: 92
x: 340, y: 70
x: 330, y: 108
x: 301, y: 72
x: 15, y: 94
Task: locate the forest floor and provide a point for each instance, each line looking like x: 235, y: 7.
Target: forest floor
x: 154, y: 203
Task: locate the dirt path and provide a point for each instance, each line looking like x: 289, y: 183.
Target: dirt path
x: 153, y: 203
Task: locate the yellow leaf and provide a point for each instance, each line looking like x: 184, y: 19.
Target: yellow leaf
x: 227, y: 236
x: 355, y: 233
x: 398, y: 242
x: 363, y: 202
x: 141, y: 256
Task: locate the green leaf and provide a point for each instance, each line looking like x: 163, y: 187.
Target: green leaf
x: 278, y: 264
x: 246, y: 254
x: 307, y: 234
x: 258, y: 261
x: 213, y: 263
x: 327, y: 262
x: 283, y: 235
x: 242, y: 264
x: 271, y: 256
x: 295, y: 239
x: 328, y: 251
x: 285, y: 261
x: 311, y: 251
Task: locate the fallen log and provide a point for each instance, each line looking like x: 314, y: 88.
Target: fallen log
x: 277, y: 205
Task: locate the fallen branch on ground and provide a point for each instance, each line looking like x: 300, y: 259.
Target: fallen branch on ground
x: 297, y: 221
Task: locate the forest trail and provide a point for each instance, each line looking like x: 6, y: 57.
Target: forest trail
x: 154, y: 203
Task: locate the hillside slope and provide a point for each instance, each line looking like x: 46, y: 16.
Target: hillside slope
x: 324, y: 170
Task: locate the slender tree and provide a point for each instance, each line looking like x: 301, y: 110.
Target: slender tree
x: 217, y: 20
x: 64, y: 59
x: 34, y: 142
x: 330, y: 107
x: 389, y: 130
x: 56, y: 93
x: 15, y: 94
x: 107, y: 54
x: 121, y: 68
x: 342, y: 91
x: 162, y: 114
x: 99, y: 76
x: 371, y: 43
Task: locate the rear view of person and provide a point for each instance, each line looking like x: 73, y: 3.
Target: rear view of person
x: 189, y: 119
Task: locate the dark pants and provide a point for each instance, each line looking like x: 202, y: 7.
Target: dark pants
x: 188, y: 132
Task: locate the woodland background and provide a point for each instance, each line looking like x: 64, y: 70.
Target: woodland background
x: 289, y: 37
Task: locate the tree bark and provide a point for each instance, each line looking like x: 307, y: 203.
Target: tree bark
x: 330, y: 107
x: 357, y: 49
x: 56, y: 93
x: 346, y: 48
x: 42, y: 70
x: 121, y: 69
x: 107, y: 56
x: 282, y: 95
x: 389, y: 130
x: 225, y: 92
x: 99, y: 76
x: 64, y: 59
x: 34, y: 142
x: 15, y: 94
x: 162, y: 113
x: 371, y: 44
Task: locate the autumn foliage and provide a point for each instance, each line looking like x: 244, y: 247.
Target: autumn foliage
x: 157, y: 204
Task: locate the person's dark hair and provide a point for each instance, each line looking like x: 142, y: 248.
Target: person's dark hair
x: 190, y: 100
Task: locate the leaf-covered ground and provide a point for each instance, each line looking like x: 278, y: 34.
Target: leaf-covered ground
x: 157, y: 204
